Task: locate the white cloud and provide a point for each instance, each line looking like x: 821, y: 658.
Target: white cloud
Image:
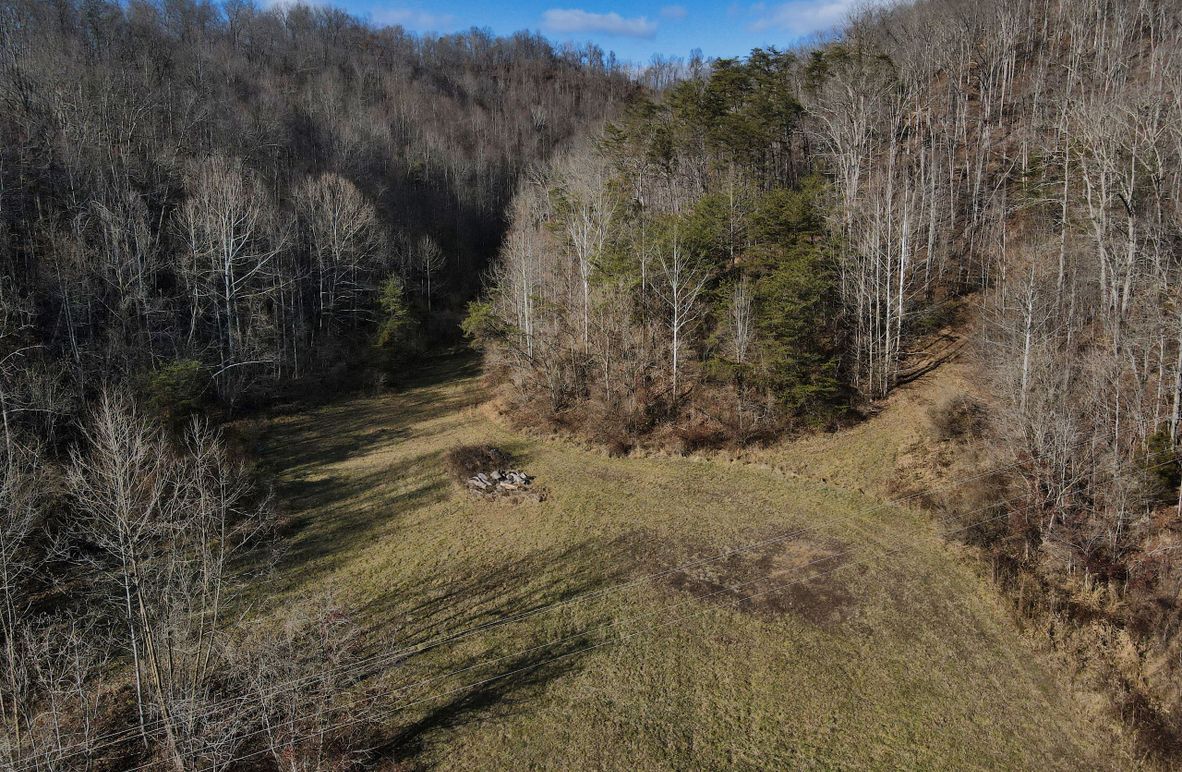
x: 415, y: 19
x: 674, y: 12
x: 801, y: 17
x: 572, y: 20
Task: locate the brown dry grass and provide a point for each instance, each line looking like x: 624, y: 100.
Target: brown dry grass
x: 875, y: 643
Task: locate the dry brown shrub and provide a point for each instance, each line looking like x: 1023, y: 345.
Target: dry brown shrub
x: 958, y: 418
x: 466, y: 460
x: 610, y: 428
x: 699, y: 434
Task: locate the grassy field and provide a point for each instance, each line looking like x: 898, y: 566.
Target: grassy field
x: 845, y: 633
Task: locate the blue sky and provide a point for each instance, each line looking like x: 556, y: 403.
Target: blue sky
x: 634, y: 29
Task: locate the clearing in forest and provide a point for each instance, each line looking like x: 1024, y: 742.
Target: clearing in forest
x: 836, y: 630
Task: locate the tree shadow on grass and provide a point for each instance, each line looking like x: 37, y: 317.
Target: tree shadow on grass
x: 356, y: 428
x: 335, y: 432
x: 494, y: 598
x: 510, y: 687
x: 452, y: 365
x: 330, y: 519
x: 502, y: 608
x: 338, y: 513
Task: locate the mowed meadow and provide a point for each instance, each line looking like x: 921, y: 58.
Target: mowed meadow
x: 655, y: 612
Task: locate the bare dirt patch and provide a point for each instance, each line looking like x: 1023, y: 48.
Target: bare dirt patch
x: 795, y: 576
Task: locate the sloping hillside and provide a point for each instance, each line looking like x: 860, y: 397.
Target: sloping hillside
x: 656, y: 612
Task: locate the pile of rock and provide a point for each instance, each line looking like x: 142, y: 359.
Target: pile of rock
x: 500, y: 481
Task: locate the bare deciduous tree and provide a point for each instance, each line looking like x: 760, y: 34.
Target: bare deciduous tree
x: 680, y: 288
x: 22, y: 498
x: 342, y: 233
x: 588, y: 209
x: 313, y: 727
x: 430, y: 261
x: 165, y: 523
x: 228, y: 225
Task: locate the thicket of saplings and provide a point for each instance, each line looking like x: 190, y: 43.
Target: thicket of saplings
x: 204, y: 208
x: 123, y: 640
x: 775, y: 240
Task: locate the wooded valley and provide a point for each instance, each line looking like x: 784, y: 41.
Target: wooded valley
x: 215, y: 214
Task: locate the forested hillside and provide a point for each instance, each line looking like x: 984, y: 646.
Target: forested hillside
x: 230, y: 188
x: 785, y: 239
x: 205, y: 207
